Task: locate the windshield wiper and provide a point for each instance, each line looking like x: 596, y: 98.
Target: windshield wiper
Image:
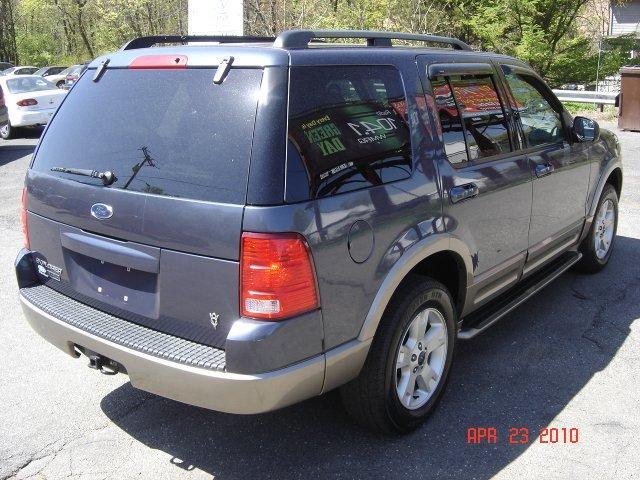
x: 107, y: 177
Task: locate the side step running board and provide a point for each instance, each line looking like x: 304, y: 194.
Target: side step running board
x: 489, y: 314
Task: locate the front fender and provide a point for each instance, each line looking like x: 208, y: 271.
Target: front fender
x: 606, y: 166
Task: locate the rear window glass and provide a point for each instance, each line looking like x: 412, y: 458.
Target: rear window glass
x: 74, y: 70
x: 348, y: 130
x: 29, y: 84
x: 165, y: 132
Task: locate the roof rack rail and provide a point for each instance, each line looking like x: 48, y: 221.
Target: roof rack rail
x: 301, y: 38
x: 146, y: 42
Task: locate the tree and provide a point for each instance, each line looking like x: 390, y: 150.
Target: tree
x: 545, y: 33
x: 73, y: 31
x: 8, y: 47
x: 268, y: 17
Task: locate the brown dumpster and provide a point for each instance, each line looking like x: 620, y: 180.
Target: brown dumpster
x: 629, y: 118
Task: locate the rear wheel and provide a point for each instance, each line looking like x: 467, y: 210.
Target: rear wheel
x: 7, y: 132
x: 596, y: 248
x: 409, y: 361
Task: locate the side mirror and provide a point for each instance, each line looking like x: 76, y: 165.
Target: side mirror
x: 585, y: 129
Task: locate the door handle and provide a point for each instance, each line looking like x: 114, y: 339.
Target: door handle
x: 462, y: 192
x: 544, y: 169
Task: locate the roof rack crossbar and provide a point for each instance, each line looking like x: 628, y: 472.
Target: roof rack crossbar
x: 302, y: 38
x: 146, y: 42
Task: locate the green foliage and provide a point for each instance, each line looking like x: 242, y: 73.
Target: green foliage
x: 73, y: 31
x: 35, y: 50
x: 592, y: 111
x: 559, y: 39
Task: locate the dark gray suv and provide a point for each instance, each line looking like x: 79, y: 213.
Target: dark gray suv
x: 246, y: 225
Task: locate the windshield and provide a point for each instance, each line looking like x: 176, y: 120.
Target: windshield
x: 29, y: 84
x: 165, y: 132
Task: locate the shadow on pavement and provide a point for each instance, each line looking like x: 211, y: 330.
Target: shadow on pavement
x: 523, y: 372
x: 11, y: 153
x: 29, y: 132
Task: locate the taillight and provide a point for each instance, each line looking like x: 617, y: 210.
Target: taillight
x: 277, y: 279
x: 23, y: 220
x: 27, y: 102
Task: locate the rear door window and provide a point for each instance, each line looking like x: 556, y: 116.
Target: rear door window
x: 472, y: 117
x: 164, y: 132
x: 484, y: 119
x: 450, y: 122
x: 348, y: 130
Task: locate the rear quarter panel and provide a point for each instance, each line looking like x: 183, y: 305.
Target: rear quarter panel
x: 399, y: 214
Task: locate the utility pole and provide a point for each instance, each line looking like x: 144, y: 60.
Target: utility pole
x: 600, y: 106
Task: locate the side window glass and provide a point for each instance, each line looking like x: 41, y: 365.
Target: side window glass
x: 541, y: 124
x: 487, y: 132
x: 348, y: 130
x: 450, y: 122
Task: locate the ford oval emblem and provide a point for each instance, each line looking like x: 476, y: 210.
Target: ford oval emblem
x: 101, y: 211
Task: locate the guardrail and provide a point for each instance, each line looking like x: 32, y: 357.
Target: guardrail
x: 585, y: 96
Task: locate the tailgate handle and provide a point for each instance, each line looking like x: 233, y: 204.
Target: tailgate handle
x: 110, y: 252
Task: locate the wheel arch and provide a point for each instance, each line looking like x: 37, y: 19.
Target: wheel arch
x: 615, y: 179
x: 442, y: 257
x: 612, y: 176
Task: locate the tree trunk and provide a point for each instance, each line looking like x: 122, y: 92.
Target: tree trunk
x: 81, y: 28
x: 8, y: 47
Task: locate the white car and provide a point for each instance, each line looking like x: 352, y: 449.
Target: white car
x: 19, y: 71
x: 56, y: 75
x: 31, y: 100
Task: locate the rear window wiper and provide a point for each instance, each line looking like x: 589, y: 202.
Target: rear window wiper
x: 107, y: 177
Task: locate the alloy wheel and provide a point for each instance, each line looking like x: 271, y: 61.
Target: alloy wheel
x: 421, y: 358
x: 604, y: 228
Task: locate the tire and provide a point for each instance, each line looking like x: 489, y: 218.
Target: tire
x: 595, y: 258
x: 372, y: 399
x: 60, y: 84
x: 7, y: 132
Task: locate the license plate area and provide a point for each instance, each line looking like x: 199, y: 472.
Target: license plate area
x: 124, y: 287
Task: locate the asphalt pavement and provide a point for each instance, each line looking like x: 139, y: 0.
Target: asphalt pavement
x: 569, y: 358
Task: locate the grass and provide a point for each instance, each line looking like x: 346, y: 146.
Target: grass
x: 590, y: 110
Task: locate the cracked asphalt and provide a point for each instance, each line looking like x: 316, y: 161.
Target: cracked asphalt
x: 569, y: 358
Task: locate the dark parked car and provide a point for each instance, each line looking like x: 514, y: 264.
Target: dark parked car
x: 5, y: 66
x: 247, y: 225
